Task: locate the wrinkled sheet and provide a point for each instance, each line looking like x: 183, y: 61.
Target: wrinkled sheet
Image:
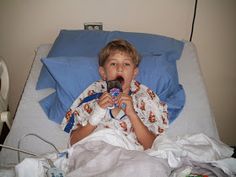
x: 196, y: 148
x: 192, y: 167
x: 100, y: 159
x: 109, y: 153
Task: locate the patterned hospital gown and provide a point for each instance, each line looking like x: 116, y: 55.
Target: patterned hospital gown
x: 147, y: 105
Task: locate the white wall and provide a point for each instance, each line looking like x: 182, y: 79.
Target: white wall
x: 215, y: 37
x: 25, y: 24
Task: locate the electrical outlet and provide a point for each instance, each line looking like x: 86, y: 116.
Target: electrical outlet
x: 93, y: 26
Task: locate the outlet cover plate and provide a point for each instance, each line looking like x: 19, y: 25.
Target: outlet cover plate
x: 93, y: 26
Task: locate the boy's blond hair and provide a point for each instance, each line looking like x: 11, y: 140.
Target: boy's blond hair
x: 121, y: 46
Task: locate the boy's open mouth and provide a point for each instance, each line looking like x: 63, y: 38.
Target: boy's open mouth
x: 120, y: 79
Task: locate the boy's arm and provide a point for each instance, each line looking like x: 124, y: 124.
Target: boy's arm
x: 144, y: 136
x: 81, y: 132
x: 93, y: 119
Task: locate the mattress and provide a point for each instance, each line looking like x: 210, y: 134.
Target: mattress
x: 196, y: 117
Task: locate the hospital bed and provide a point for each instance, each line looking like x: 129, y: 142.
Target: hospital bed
x: 31, y: 117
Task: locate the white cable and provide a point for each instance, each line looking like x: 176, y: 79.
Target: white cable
x: 19, y: 150
x: 52, y: 171
x: 33, y: 134
x: 27, y: 152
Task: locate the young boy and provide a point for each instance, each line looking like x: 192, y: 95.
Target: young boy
x: 138, y: 113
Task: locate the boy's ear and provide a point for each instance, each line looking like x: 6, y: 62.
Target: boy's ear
x: 136, y: 70
x: 102, y: 73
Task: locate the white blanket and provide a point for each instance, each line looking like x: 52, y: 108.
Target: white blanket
x: 98, y: 158
x: 109, y: 153
x: 198, y: 147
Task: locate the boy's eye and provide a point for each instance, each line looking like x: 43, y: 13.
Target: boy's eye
x: 127, y: 64
x: 113, y: 64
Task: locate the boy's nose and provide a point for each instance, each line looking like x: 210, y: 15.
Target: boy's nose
x: 119, y: 68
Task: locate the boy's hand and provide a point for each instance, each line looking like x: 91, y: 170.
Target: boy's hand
x: 105, y: 100
x: 125, y: 102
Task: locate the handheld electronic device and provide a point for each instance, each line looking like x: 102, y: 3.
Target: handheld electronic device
x: 114, y: 87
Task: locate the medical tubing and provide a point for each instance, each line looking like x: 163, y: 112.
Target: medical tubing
x: 50, y: 162
x: 33, y: 134
x: 19, y: 150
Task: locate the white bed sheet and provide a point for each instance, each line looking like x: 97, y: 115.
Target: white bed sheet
x: 196, y: 116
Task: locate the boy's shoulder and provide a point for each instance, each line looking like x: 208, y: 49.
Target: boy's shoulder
x: 99, y: 83
x: 139, y: 89
x: 93, y: 89
x: 96, y: 87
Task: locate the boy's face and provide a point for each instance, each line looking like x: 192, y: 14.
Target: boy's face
x: 119, y: 64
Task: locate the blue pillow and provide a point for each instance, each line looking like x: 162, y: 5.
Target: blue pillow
x: 73, y: 43
x: 75, y: 74
x: 72, y: 76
